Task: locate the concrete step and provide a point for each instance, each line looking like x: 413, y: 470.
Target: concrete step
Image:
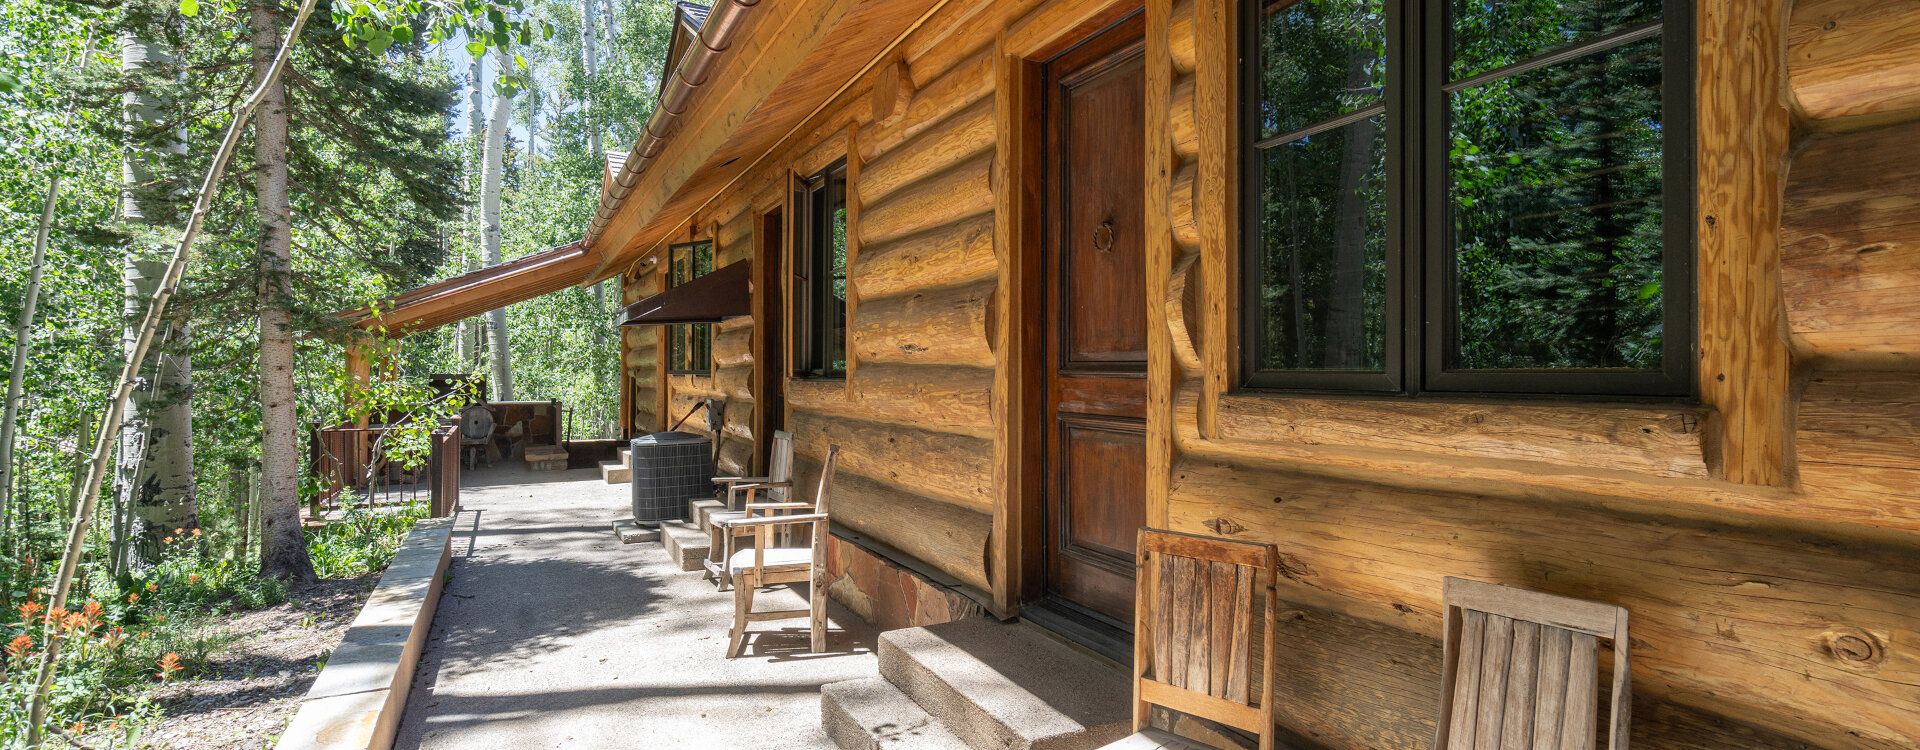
x: 699, y: 508
x: 626, y: 457
x: 1006, y: 686
x: 872, y: 714
x: 685, y: 545
x: 632, y: 533
x: 615, y: 473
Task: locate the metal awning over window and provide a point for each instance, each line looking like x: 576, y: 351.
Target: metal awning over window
x: 724, y: 293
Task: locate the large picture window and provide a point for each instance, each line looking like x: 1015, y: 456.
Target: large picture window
x: 1468, y: 196
x: 690, y: 345
x: 820, y: 275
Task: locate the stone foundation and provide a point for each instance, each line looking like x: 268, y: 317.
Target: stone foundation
x: 889, y: 595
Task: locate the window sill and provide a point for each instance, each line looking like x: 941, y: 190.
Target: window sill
x: 1647, y: 439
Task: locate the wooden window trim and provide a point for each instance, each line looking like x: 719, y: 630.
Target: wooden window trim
x: 673, y: 333
x: 1418, y: 285
x: 811, y: 288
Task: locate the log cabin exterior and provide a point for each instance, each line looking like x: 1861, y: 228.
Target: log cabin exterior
x: 1005, y: 426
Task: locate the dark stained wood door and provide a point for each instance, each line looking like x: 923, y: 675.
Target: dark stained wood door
x: 1097, y: 334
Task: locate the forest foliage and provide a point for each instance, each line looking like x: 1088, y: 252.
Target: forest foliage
x: 383, y: 178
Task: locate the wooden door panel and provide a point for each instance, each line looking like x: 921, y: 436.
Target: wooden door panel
x: 1096, y: 353
x: 1102, y: 242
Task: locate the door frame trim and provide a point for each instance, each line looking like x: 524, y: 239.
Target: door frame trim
x: 1019, y: 388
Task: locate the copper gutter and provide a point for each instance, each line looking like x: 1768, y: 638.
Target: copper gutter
x: 695, y: 66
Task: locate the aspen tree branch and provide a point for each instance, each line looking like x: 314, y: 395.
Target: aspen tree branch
x: 130, y: 371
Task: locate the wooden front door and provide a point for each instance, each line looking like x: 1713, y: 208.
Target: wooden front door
x: 1096, y: 353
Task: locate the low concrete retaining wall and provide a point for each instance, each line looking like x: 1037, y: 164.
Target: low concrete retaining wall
x: 357, y: 699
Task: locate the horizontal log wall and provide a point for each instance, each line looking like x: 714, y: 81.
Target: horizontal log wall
x: 1773, y: 610
x: 1763, y: 616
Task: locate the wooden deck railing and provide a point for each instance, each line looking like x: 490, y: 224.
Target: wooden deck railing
x: 347, y: 458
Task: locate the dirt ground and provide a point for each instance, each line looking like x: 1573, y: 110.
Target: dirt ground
x: 255, y: 685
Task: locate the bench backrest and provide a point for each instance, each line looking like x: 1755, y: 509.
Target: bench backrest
x: 1521, y: 669
x: 780, y: 466
x: 1194, y: 630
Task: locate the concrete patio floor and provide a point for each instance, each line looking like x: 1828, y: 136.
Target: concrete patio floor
x: 554, y: 634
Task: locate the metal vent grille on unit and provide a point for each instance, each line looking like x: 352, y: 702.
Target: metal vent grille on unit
x: 669, y: 468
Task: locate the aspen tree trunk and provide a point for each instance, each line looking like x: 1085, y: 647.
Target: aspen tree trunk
x: 492, y: 161
x: 613, y: 28
x: 88, y: 491
x: 283, y: 549
x: 155, y: 494
x: 466, y: 350
x: 590, y: 59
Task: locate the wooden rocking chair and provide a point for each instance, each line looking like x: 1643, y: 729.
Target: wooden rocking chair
x: 1521, y: 669
x: 1193, y: 636
x: 767, y: 565
x: 740, y: 504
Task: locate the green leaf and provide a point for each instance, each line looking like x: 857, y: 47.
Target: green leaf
x: 10, y: 83
x: 380, y: 42
x: 402, y: 34
x: 189, y: 8
x: 1649, y: 289
x: 476, y: 49
x: 546, y: 31
x: 520, y: 62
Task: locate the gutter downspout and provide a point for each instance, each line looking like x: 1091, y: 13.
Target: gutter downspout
x: 699, y: 62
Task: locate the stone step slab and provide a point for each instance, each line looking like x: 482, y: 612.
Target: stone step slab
x: 685, y: 545
x: 872, y: 714
x: 615, y: 473
x: 1006, y: 687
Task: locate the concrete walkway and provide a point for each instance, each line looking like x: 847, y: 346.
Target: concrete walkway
x: 554, y: 634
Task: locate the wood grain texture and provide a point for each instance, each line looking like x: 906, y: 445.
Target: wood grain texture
x: 940, y: 465
x: 1162, y: 368
x: 1850, y: 245
x: 961, y: 191
x: 959, y: 136
x: 1732, y: 621
x: 1019, y: 395
x: 1665, y: 441
x: 931, y: 257
x: 957, y: 399
x: 1854, y: 58
x: 951, y: 538
x: 1859, y: 445
x: 947, y: 325
x: 1743, y: 138
x: 1353, y: 684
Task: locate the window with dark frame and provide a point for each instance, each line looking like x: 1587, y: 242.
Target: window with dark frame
x: 1468, y: 196
x: 819, y: 337
x: 689, y: 345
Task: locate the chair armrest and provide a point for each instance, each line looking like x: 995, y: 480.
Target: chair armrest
x: 760, y: 486
x: 773, y: 520
x: 777, y: 506
x: 737, y: 480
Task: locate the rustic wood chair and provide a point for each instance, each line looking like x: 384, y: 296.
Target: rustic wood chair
x: 1193, y: 636
x: 1521, y: 669
x: 767, y: 565
x: 740, y: 504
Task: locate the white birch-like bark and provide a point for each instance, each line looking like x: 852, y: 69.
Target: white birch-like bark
x: 283, y: 548
x: 155, y: 492
x: 613, y: 29
x: 87, y: 493
x: 491, y: 163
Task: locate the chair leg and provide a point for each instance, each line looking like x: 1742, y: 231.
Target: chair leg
x: 817, y: 619
x: 742, y: 604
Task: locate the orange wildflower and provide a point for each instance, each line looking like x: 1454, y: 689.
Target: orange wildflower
x: 20, y: 644
x: 28, y: 610
x: 153, y: 587
x: 196, y: 532
x: 195, y: 578
x: 169, y: 664
x: 92, y: 609
x: 57, y: 615
x: 133, y: 598
x: 77, y: 728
